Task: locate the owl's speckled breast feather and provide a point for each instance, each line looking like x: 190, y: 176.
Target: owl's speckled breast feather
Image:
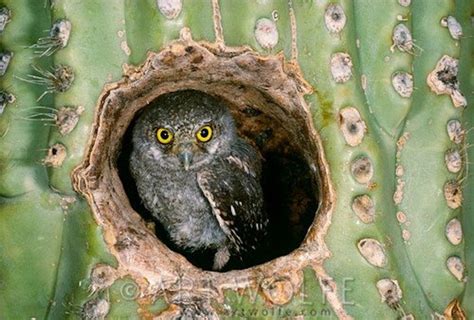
x: 175, y: 199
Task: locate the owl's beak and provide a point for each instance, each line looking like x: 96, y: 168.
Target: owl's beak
x: 185, y: 155
x: 186, y: 158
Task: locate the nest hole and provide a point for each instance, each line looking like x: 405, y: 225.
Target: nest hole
x: 289, y: 176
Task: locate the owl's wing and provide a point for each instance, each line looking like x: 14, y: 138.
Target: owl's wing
x: 236, y: 198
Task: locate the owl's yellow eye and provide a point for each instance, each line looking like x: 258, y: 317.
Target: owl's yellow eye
x: 164, y: 136
x: 204, y: 134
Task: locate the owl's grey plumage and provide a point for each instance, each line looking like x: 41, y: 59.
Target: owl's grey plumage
x: 206, y: 194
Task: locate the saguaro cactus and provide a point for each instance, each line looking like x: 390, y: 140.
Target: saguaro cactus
x: 374, y: 97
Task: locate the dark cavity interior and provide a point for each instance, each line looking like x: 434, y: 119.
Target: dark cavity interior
x: 289, y: 184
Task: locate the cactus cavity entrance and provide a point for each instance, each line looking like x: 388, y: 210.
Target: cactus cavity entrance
x: 288, y: 180
x: 265, y: 95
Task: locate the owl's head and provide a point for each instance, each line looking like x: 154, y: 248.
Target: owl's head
x: 183, y: 130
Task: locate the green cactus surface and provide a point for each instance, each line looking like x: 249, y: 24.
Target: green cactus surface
x: 386, y: 88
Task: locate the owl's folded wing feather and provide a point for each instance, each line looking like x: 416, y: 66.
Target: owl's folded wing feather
x: 236, y: 199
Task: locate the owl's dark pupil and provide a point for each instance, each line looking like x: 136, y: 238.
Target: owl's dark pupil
x: 204, y: 133
x: 164, y: 135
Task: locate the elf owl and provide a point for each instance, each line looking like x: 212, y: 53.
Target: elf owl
x: 197, y: 177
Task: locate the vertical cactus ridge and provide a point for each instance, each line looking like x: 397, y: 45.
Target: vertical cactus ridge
x: 91, y: 70
x: 22, y: 145
x: 381, y: 59
x: 422, y: 158
x: 23, y: 178
x: 400, y: 241
x: 464, y: 13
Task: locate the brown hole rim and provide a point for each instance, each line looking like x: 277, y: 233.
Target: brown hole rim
x: 138, y: 251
